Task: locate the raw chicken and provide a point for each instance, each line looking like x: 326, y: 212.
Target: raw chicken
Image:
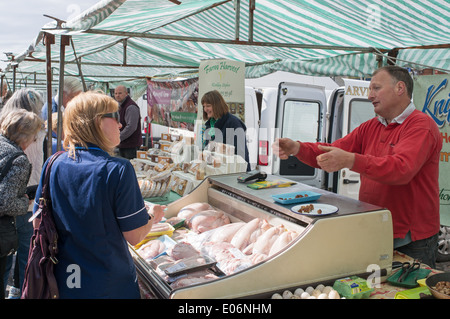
x: 207, y: 220
x: 226, y: 232
x: 257, y: 257
x: 151, y: 249
x: 190, y: 210
x: 248, y: 233
x: 282, y: 241
x: 193, y: 278
x: 183, y: 250
x: 267, y: 239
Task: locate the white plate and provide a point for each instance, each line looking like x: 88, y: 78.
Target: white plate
x: 325, y: 208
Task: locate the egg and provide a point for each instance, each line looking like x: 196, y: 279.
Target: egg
x: 333, y: 295
x: 298, y: 291
x: 316, y: 293
x: 322, y: 296
x: 305, y: 295
x: 320, y: 287
x: 276, y: 296
x: 327, y: 289
x: 287, y: 294
x: 309, y: 289
x: 312, y: 297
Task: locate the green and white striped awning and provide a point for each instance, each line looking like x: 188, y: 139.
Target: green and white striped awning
x: 129, y: 40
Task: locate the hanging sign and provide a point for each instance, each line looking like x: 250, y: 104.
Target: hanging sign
x: 173, y: 103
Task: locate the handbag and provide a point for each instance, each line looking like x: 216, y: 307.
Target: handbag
x: 40, y: 281
x: 9, y: 240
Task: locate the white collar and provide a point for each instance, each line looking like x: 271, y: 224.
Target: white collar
x: 401, y: 118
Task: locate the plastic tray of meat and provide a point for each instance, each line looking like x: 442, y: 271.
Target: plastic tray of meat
x: 188, y: 265
x: 297, y: 197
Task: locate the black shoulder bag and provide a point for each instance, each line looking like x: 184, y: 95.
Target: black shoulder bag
x: 9, y: 240
x: 40, y: 281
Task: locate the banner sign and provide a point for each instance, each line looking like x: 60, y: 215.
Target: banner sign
x: 227, y: 77
x: 432, y: 96
x: 173, y: 103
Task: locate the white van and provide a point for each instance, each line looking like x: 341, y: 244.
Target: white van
x: 305, y: 112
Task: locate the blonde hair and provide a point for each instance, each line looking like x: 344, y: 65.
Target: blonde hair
x: 81, y: 123
x: 19, y: 125
x: 219, y: 106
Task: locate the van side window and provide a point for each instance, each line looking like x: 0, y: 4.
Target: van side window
x: 301, y: 121
x: 360, y: 111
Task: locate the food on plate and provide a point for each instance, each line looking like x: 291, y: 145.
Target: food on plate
x: 306, y: 208
x: 443, y: 287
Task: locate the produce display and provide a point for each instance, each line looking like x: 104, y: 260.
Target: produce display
x: 209, y: 245
x: 173, y: 164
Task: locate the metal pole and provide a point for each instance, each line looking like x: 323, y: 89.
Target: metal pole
x: 65, y: 40
x: 250, y: 20
x: 237, y: 12
x: 79, y: 65
x: 49, y: 40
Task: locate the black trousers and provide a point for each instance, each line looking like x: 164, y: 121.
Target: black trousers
x: 128, y: 153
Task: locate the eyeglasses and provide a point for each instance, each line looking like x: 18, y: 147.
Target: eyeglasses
x: 114, y: 115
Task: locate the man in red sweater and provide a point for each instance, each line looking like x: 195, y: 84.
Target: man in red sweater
x: 397, y: 156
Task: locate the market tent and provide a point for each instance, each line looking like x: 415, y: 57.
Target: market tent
x: 129, y: 40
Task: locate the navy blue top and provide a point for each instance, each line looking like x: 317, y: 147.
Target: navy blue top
x: 95, y: 198
x: 44, y: 111
x: 232, y: 131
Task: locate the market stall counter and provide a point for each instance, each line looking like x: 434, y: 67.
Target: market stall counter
x: 260, y: 245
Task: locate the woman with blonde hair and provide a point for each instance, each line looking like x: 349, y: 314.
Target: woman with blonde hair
x: 18, y: 130
x: 97, y: 204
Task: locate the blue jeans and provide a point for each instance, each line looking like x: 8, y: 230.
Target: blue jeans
x: 25, y: 232
x: 424, y: 250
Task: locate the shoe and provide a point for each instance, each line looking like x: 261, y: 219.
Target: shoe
x: 14, y: 293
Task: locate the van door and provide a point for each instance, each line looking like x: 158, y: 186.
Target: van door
x: 356, y: 110
x: 300, y: 115
x: 252, y: 124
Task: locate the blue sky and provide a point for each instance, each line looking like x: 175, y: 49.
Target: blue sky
x: 21, y: 20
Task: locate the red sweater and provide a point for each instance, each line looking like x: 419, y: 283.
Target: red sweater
x: 399, y: 168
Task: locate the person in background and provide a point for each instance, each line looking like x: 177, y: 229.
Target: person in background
x: 30, y: 100
x: 397, y: 156
x: 54, y: 134
x: 130, y: 118
x: 18, y: 130
x: 97, y: 204
x: 223, y: 127
x: 72, y: 87
x: 5, y: 94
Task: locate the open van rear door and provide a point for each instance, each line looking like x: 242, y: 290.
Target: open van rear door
x: 299, y: 114
x: 356, y: 110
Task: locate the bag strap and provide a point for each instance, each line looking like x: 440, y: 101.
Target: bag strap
x: 46, y: 183
x: 8, y: 164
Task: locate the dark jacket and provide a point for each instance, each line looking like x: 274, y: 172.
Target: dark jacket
x: 228, y: 124
x: 135, y: 139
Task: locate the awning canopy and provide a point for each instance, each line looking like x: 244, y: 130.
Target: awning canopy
x: 129, y: 40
